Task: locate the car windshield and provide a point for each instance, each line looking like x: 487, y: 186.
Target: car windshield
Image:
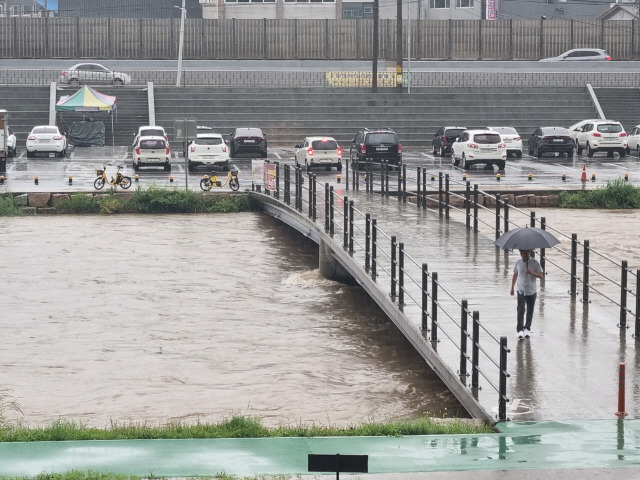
x: 52, y: 130
x: 151, y: 143
x: 610, y: 128
x: 485, y: 138
x: 248, y: 132
x: 324, y: 145
x: 381, y: 138
x: 209, y: 141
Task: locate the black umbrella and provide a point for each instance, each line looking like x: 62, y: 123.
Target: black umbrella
x: 526, y: 238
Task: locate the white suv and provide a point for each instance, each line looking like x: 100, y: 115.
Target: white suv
x: 479, y: 146
x: 149, y: 131
x: 210, y: 150
x: 511, y: 138
x: 319, y: 152
x: 602, y: 136
x: 152, y: 151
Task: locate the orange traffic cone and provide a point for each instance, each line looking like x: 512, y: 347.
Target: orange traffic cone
x: 583, y: 178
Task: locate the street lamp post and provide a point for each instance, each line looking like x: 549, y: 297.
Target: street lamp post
x: 183, y: 12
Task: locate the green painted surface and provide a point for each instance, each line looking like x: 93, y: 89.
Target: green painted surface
x: 526, y: 445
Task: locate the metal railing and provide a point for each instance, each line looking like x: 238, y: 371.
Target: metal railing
x: 436, y: 312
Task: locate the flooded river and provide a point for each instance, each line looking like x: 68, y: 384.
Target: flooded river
x: 194, y: 318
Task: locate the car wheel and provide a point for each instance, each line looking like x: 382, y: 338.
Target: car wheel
x: 638, y: 150
x: 232, y: 153
x: 442, y: 152
x: 339, y: 167
x: 622, y: 152
x: 167, y: 167
x: 578, y: 148
x: 519, y: 154
x: 589, y: 150
x: 570, y: 154
x: 117, y: 82
x: 136, y: 167
x: 530, y: 149
x: 307, y: 167
x: 628, y: 151
x: 463, y: 163
x: 192, y: 167
x: 264, y: 154
x: 454, y: 161
x: 538, y: 152
x: 501, y: 165
x: 30, y: 154
x: 435, y: 151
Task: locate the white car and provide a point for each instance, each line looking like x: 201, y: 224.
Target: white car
x: 479, y: 146
x: 577, y: 127
x: 89, y: 73
x: 512, y: 138
x: 152, y: 151
x: 580, y: 55
x: 46, y: 139
x: 149, y: 131
x: 209, y: 150
x: 11, y: 143
x: 633, y: 141
x: 319, y: 152
x: 602, y: 135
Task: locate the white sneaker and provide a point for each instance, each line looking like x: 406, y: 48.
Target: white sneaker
x: 527, y: 333
x: 520, y: 334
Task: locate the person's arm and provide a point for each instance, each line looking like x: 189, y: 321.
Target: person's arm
x: 513, y: 281
x: 534, y: 273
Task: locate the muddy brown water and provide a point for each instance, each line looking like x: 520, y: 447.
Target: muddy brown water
x: 194, y: 318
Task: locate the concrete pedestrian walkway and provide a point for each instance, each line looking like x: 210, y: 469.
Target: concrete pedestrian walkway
x: 523, y: 449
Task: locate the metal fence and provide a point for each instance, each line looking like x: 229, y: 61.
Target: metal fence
x: 152, y: 38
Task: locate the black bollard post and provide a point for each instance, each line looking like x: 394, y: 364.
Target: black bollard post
x: 585, y: 273
x: 497, y: 215
x: 467, y: 203
x: 623, y: 294
x: 331, y: 212
x: 326, y: 207
x: 574, y: 261
x: 367, y: 245
x: 475, y: 207
x: 418, y: 191
x: 502, y: 394
x: 394, y: 265
x: 464, y: 313
x: 543, y: 253
x: 404, y: 183
x: 351, y: 207
x: 374, y: 248
x: 475, y: 349
x: 277, y: 193
x: 440, y: 193
x: 446, y: 196
x: 434, y: 308
x: 424, y: 190
x: 401, y: 276
x: 425, y: 299
x: 506, y: 216
x: 345, y: 242
x: 637, y: 304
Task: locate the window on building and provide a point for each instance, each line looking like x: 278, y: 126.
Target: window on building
x: 439, y: 3
x: 464, y: 3
x: 249, y: 1
x: 357, y: 10
x: 15, y: 10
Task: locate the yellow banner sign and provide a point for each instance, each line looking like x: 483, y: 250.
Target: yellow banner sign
x: 360, y: 79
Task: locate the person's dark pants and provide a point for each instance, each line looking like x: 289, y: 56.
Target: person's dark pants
x: 525, y: 301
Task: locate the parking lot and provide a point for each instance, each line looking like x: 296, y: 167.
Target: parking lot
x: 80, y: 164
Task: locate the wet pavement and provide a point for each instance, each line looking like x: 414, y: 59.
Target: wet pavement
x: 564, y: 450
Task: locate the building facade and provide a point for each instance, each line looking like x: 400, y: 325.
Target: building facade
x: 128, y: 9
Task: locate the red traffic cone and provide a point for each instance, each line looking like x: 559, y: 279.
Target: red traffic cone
x: 583, y: 178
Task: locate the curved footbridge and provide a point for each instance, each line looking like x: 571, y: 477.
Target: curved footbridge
x: 431, y: 266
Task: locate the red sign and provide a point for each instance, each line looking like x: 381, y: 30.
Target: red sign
x: 491, y: 10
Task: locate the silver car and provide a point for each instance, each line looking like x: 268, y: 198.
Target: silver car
x: 90, y: 73
x: 580, y: 55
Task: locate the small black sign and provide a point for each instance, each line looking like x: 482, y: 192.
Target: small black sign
x: 339, y: 463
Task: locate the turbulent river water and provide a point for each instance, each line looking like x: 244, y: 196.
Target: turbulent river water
x: 194, y: 318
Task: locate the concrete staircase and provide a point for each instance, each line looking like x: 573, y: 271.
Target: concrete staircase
x: 131, y: 111
x: 288, y: 115
x: 621, y: 104
x: 27, y: 106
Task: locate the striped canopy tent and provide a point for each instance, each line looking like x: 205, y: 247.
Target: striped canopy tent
x: 88, y: 100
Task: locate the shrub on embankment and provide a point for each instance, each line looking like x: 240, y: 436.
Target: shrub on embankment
x: 616, y: 194
x: 153, y: 199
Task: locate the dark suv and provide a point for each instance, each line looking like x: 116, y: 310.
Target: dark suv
x: 376, y: 145
x: 444, y: 138
x: 251, y: 140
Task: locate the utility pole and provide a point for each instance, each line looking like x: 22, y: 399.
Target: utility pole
x: 183, y: 13
x: 376, y: 18
x: 399, y: 45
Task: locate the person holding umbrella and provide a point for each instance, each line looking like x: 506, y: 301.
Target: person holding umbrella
x: 526, y: 270
x: 525, y: 273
